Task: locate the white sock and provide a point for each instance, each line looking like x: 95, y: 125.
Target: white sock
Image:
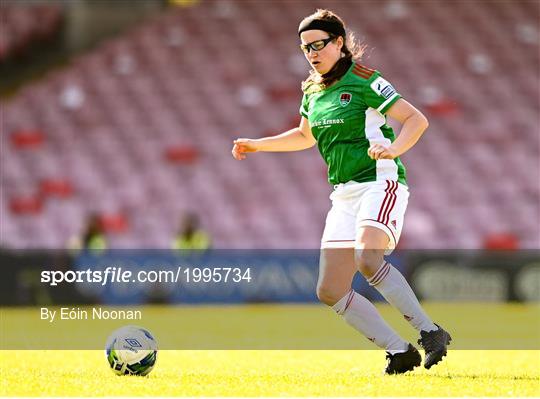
x: 362, y: 315
x: 397, y: 291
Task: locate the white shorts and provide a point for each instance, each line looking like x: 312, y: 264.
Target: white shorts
x: 380, y: 204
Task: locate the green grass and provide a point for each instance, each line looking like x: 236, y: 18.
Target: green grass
x: 213, y: 372
x: 269, y: 373
x: 472, y: 325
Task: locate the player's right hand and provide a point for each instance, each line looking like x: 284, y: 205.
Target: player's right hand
x: 243, y: 146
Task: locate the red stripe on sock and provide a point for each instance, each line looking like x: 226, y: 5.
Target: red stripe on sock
x: 387, y: 270
x: 385, y: 274
x: 378, y: 273
x: 349, y: 300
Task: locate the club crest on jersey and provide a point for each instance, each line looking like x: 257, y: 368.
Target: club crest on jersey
x: 345, y: 99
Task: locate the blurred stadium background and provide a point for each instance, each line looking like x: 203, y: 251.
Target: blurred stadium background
x: 117, y: 119
x: 124, y: 113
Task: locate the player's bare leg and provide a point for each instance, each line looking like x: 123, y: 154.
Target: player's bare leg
x: 336, y: 272
x: 337, y: 268
x: 369, y: 257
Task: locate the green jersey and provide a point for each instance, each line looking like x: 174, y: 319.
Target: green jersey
x: 346, y: 118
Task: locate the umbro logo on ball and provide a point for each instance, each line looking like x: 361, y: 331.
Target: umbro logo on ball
x: 133, y: 342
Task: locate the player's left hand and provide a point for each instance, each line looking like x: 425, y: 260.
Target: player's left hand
x: 379, y: 151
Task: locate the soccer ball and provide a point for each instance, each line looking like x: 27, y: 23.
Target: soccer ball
x: 131, y: 350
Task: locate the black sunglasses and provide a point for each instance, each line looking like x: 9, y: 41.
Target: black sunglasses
x: 317, y: 45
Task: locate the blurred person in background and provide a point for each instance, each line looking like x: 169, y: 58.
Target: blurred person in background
x: 190, y: 235
x: 93, y: 238
x: 344, y: 111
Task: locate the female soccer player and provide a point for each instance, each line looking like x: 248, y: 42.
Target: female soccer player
x: 343, y: 111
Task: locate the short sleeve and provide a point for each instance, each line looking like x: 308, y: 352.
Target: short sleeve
x: 304, y: 107
x: 380, y: 94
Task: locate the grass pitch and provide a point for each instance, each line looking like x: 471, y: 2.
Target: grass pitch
x: 269, y: 373
x: 214, y: 372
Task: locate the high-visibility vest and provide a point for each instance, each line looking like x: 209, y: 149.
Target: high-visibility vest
x: 97, y: 243
x: 198, y: 240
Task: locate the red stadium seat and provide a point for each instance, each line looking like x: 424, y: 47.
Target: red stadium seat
x: 114, y: 223
x: 26, y: 205
x: 501, y: 241
x: 56, y: 188
x: 182, y: 154
x: 30, y: 138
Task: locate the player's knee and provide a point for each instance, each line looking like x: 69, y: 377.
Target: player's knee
x: 368, y: 261
x: 327, y: 295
